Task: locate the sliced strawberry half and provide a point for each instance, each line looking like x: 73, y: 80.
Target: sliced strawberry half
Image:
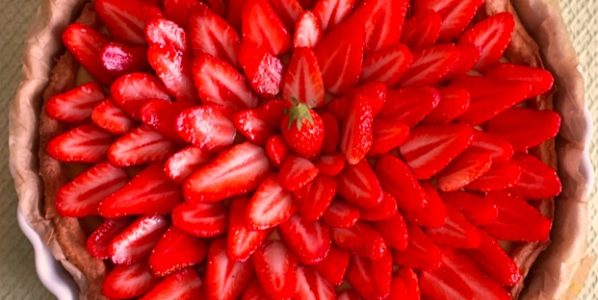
x: 410, y: 282
x: 174, y: 69
x: 184, y: 285
x: 261, y: 123
x: 275, y: 267
x: 308, y: 31
x: 296, y: 172
x: 334, y: 265
x: 454, y: 102
x: 86, y: 143
x: 456, y: 232
x: 149, y: 192
x: 370, y: 278
x: 137, y: 241
x: 86, y: 44
x: 421, y: 252
x: 386, y: 209
x: 126, y: 21
x: 186, y: 161
x: 540, y: 79
x: 537, y: 180
x: 500, y: 149
x: 477, y: 210
x: 359, y: 185
x: 262, y: 26
x: 99, y: 241
x: 162, y: 115
x: 288, y: 11
x: 387, y: 65
x: 330, y: 13
x: 361, y: 239
x: 313, y: 199
x: 128, y: 281
x: 331, y: 165
x: 270, y: 205
x: 410, y: 105
x: 397, y: 179
x: 434, y: 213
x: 356, y: 133
x: 468, y: 58
x: 383, y: 22
x: 422, y: 29
x: 303, y: 79
x: 131, y: 91
x: 498, y: 178
x: 209, y: 127
x: 312, y: 285
x: 241, y: 241
x: 225, y: 279
x: 341, y: 214
x: 430, y: 64
x: 201, y: 219
x: 175, y: 251
x: 394, y: 231
x: 277, y: 150
x: 75, y: 105
x: 121, y: 59
x: 309, y: 241
x: 110, y: 117
x: 142, y: 145
x: 494, y: 261
x: 164, y: 32
x: 467, y: 167
x: 180, y: 10
x: 457, y: 18
x: 262, y: 69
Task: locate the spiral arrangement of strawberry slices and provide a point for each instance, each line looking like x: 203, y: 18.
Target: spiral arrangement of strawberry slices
x: 303, y: 149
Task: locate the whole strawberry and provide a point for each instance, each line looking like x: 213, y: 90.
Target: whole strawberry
x: 303, y: 130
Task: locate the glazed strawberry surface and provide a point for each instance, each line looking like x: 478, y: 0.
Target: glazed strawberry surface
x: 297, y: 149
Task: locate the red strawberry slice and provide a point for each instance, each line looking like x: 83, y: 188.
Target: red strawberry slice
x: 517, y: 220
x: 537, y: 181
x: 126, y: 21
x: 469, y: 166
x: 303, y: 79
x: 422, y: 30
x: 307, y: 31
x: 142, y: 145
x: 296, y: 172
x: 164, y: 32
x: 454, y: 102
x: 361, y: 239
x: 434, y: 213
x: 458, y: 18
x: 149, y: 192
x: 209, y: 127
x: 312, y: 285
x: 540, y: 79
x: 80, y: 197
x: 128, y: 281
x: 356, y: 134
x: 201, y: 219
x: 492, y: 35
x: 333, y: 267
x: 331, y: 134
x: 275, y: 267
x: 175, y: 251
x: 110, y: 117
x: 183, y: 163
x: 121, y: 59
x: 86, y: 44
x: 254, y: 292
x: 498, y: 178
x: 241, y: 241
x: 225, y: 279
x: 184, y: 285
x: 313, y: 199
x: 262, y: 26
x: 259, y: 124
x: 430, y: 64
x: 277, y: 150
x: 303, y: 130
x: 421, y: 252
x: 180, y: 10
x: 430, y: 148
x: 234, y: 14
x: 477, y: 210
x: 309, y: 241
x: 137, y: 241
x: 162, y: 115
x: 383, y: 22
x: 457, y: 232
x: 525, y: 128
x: 288, y: 11
x: 397, y: 179
x: 330, y: 13
x: 468, y: 58
x: 210, y: 34
x: 233, y: 172
x: 219, y: 83
x: 440, y: 6
x: 86, y: 143
x: 494, y: 261
x: 374, y: 93
x: 370, y: 278
x: 99, y: 241
x: 331, y: 165
x: 270, y: 205
x: 131, y: 91
x: 262, y: 69
x: 410, y: 281
x: 349, y: 294
x: 174, y: 69
x: 387, y: 65
x: 358, y: 184
x: 388, y: 135
x: 500, y: 149
x: 386, y: 209
x: 394, y: 231
x: 341, y: 214
x: 410, y: 105
x: 76, y: 105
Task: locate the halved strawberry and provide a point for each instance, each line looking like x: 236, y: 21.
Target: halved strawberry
x: 131, y: 91
x: 494, y: 261
x: 142, y: 145
x: 275, y: 267
x: 396, y: 179
x: 303, y: 79
x: 394, y: 231
x: 464, y: 169
x: 456, y: 232
x: 388, y: 135
x: 500, y: 149
x: 86, y: 44
x: 186, y: 161
x: 260, y: 124
x: 361, y: 239
x: 126, y: 21
x: 232, y: 173
x: 478, y: 210
x: 370, y: 278
x: 184, y: 285
x: 219, y: 83
x: 537, y: 180
x: 313, y: 199
x: 175, y: 251
x: 410, y: 281
x: 288, y: 11
x: 454, y: 102
x: 430, y: 148
x: 174, y: 69
x: 386, y: 209
x: 162, y: 115
x: 308, y: 31
x: 254, y: 292
x: 128, y: 281
x: 421, y: 252
x: 277, y: 150
x: 99, y: 241
x: 149, y: 192
x: 225, y: 279
x: 308, y: 240
x: 164, y: 32
x: 387, y: 65
x: 296, y: 172
x: 540, y: 79
x: 241, y: 241
x: 457, y: 18
x: 525, y: 128
x: 262, y: 69
x: 75, y: 105
x: 468, y: 58
x: 492, y: 35
x: 201, y: 219
x: 358, y: 184
x: 332, y: 164
x: 209, y: 127
x: 410, y: 105
x: 434, y: 213
x: 210, y: 34
x: 180, y: 10
x: 517, y: 220
x: 356, y: 133
x: 121, y: 59
x: 80, y: 197
x: 270, y: 205
x: 312, y: 285
x: 110, y: 117
x: 383, y: 22
x: 330, y: 13
x: 86, y: 143
x: 498, y: 178
x: 430, y: 64
x: 136, y: 242
x: 262, y: 26
x: 333, y: 267
x: 303, y: 130
x: 341, y: 214
x: 422, y: 29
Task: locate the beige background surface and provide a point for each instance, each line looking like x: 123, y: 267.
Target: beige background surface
x: 18, y: 279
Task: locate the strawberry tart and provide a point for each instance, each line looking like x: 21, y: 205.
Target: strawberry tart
x: 303, y: 149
